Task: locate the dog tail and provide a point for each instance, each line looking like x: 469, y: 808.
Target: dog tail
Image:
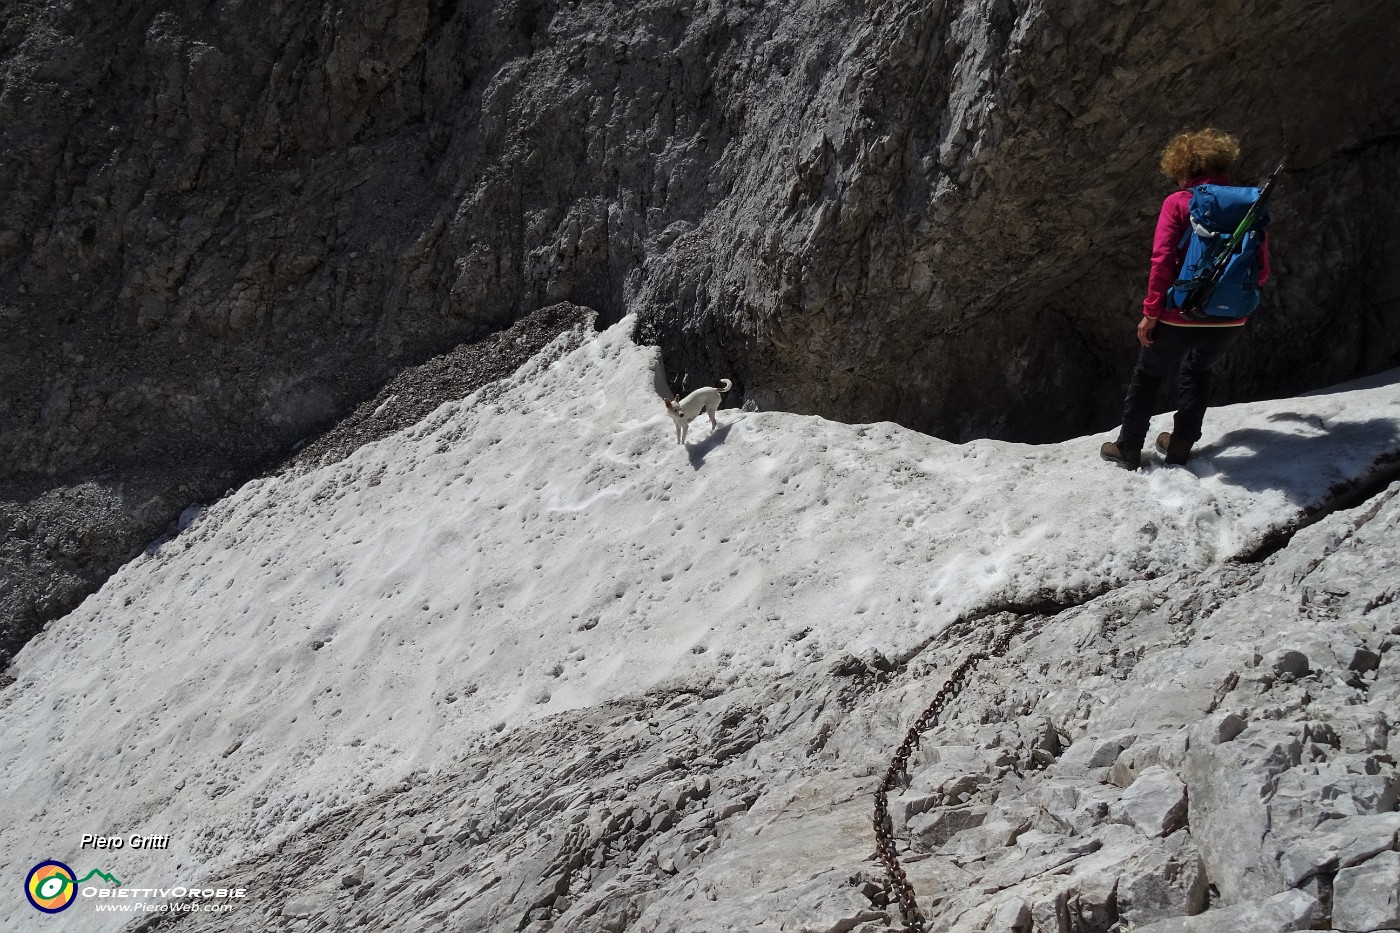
x: 724, y: 385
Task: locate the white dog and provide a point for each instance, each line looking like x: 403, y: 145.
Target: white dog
x: 685, y: 410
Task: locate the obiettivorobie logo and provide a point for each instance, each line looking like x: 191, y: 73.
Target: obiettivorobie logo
x: 51, y: 886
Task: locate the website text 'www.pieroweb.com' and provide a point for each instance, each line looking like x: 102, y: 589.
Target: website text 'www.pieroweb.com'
x: 164, y: 900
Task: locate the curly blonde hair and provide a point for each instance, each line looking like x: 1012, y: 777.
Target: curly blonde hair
x: 1199, y: 152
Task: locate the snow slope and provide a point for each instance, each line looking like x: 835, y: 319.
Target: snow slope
x: 546, y: 546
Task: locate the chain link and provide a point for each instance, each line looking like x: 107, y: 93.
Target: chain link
x: 885, y: 849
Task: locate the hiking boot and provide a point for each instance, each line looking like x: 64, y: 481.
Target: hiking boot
x: 1175, y: 451
x: 1127, y: 459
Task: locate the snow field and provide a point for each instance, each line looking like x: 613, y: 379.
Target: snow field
x: 316, y: 638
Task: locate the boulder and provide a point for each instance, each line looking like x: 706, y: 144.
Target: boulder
x: 1229, y: 787
x: 1162, y: 881
x: 1011, y: 917
x: 1155, y: 803
x: 1367, y: 897
x: 1282, y: 913
x: 1334, y: 845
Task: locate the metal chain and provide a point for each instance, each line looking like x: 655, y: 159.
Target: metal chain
x: 885, y: 850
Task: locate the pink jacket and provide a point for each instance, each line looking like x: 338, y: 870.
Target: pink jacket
x: 1168, y: 255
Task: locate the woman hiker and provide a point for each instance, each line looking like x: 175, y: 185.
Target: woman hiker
x: 1166, y: 335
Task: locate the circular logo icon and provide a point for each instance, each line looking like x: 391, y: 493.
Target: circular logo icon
x: 51, y: 887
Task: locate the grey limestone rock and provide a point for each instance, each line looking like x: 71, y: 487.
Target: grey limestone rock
x: 301, y: 907
x: 1282, y: 913
x: 1164, y: 881
x: 1218, y: 728
x: 1094, y: 905
x: 1334, y: 845
x: 1074, y: 808
x: 936, y: 828
x: 984, y: 838
x: 1093, y: 754
x: 1155, y: 803
x: 1288, y: 663
x: 1367, y: 897
x: 1168, y: 751
x: 1346, y: 785
x: 1011, y: 917
x: 1229, y: 786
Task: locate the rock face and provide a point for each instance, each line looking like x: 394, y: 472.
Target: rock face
x: 221, y: 229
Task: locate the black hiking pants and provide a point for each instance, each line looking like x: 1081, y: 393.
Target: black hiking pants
x: 1197, y: 349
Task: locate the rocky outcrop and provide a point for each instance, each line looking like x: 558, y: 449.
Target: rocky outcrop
x: 958, y: 234
x: 221, y: 230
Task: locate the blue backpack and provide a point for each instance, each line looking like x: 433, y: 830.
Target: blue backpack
x: 1216, y: 213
